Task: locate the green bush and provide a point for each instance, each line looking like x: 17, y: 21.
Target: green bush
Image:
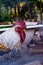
x: 4, y: 14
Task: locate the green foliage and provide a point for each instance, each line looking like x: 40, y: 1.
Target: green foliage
x: 4, y: 14
x: 4, y: 4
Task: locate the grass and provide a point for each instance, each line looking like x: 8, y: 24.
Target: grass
x: 1, y: 27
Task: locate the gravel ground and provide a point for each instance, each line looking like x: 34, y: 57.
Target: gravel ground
x: 23, y: 60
